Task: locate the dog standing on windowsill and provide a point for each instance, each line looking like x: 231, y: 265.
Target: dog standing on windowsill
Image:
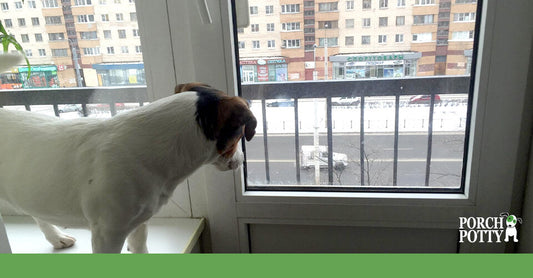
x: 113, y: 175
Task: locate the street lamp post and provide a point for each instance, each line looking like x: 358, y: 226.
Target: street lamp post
x: 76, y: 64
x: 325, y: 51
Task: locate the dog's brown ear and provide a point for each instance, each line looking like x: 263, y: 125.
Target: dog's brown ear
x: 189, y: 87
x: 234, y: 121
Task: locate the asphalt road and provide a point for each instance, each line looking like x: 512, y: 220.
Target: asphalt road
x: 446, y: 161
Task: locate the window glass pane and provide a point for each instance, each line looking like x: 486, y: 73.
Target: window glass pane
x: 341, y: 106
x: 71, y: 44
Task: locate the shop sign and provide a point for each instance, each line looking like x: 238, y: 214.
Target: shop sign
x: 374, y: 58
x: 262, y: 73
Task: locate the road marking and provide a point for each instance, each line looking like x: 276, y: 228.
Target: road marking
x: 374, y: 160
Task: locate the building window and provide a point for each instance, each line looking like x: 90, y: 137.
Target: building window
x: 400, y: 20
x: 18, y: 5
x: 328, y: 24
x: 61, y: 52
x: 290, y: 8
x: 22, y: 22
x: 350, y: 5
x: 121, y: 34
x: 463, y: 35
x: 423, y: 19
x: 383, y: 4
x: 291, y: 44
x: 240, y: 30
x: 349, y: 23
x: 38, y: 37
x: 328, y: 7
x: 399, y: 38
x: 440, y: 59
x: 82, y: 2
x: 105, y: 17
x: 91, y: 51
x: 465, y: 1
x: 35, y: 21
x: 254, y: 27
x: 42, y: 52
x: 464, y: 17
x: 120, y: 17
x: 88, y: 35
x: 242, y: 45
x: 422, y: 37
x: 383, y: 21
x: 124, y: 49
x: 84, y: 18
x: 367, y: 4
x: 5, y: 6
x: 56, y: 36
x: 136, y: 32
x: 8, y: 23
x: 365, y: 40
x: 382, y: 39
x: 366, y: 22
x: 133, y: 16
x: 138, y: 49
x: 107, y: 34
x: 28, y: 52
x: 424, y: 2
x: 50, y: 4
x: 401, y: 3
x: 256, y: 44
x: 24, y: 38
x: 269, y: 10
x: 270, y: 27
x: 254, y: 10
x: 331, y: 42
x: 290, y: 26
x: 271, y: 44
x: 110, y: 50
x: 32, y: 5
x: 349, y: 40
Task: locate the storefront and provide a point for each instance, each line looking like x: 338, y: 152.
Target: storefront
x: 263, y: 69
x: 374, y: 65
x: 120, y: 74
x: 40, y: 77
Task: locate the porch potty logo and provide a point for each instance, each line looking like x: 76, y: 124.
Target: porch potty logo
x: 489, y: 229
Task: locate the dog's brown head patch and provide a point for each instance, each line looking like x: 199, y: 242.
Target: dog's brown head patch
x: 187, y: 87
x: 222, y: 118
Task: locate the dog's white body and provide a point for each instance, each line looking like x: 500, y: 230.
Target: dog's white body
x: 108, y: 175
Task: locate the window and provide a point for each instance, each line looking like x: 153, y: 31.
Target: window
x: 110, y: 50
x: 349, y: 23
x: 256, y: 44
x: 328, y: 7
x: 463, y: 35
x: 350, y: 5
x: 89, y: 35
x: 422, y: 37
x: 107, y: 34
x: 42, y: 52
x: 105, y: 17
x: 18, y: 5
x: 31, y: 4
x: 270, y: 27
x: 465, y: 1
x: 399, y: 38
x: 383, y: 21
x: 383, y: 4
x: 85, y: 18
x: 38, y: 37
x: 124, y: 49
x: 50, y: 4
x: 382, y: 38
x: 366, y: 22
x: 242, y: 45
x: 5, y: 6
x: 365, y: 40
x: 133, y: 16
x: 440, y: 59
x: 254, y: 10
x: 35, y: 21
x: 367, y: 4
x: 400, y: 20
x: 120, y: 17
x: 328, y: 24
x: 291, y: 26
x: 82, y: 2
x: 22, y: 22
x: 24, y: 38
x: 424, y: 2
x: 291, y: 44
x: 349, y: 40
x: 91, y: 51
x: 269, y: 9
x: 423, y: 19
x: 401, y: 3
x: 56, y: 36
x: 121, y: 34
x: 464, y: 17
x: 61, y: 52
x: 254, y: 27
x: 8, y: 23
x: 330, y: 41
x: 290, y: 8
x: 271, y: 44
x: 138, y: 49
x: 135, y: 32
x: 28, y: 52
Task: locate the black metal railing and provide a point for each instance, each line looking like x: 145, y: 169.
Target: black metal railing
x: 354, y: 88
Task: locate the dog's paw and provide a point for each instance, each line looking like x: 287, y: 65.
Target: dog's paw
x: 62, y: 241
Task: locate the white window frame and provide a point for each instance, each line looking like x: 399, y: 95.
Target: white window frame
x: 220, y: 196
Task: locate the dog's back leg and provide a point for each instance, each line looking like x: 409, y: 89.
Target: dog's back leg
x: 107, y: 240
x: 57, y: 238
x: 137, y: 239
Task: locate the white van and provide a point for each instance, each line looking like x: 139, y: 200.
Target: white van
x: 307, y: 157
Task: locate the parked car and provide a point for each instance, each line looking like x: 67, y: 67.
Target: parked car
x: 346, y: 101
x: 69, y: 108
x: 281, y: 103
x: 423, y: 99
x: 307, y: 157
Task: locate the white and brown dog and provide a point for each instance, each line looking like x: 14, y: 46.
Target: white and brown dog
x: 113, y: 175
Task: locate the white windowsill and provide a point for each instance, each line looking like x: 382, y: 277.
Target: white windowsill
x: 165, y: 235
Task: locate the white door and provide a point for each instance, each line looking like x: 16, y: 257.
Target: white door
x: 199, y: 37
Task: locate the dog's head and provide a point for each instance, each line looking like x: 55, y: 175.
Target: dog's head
x: 224, y: 120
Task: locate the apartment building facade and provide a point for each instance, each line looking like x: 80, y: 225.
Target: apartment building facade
x: 74, y: 43
x: 356, y: 39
